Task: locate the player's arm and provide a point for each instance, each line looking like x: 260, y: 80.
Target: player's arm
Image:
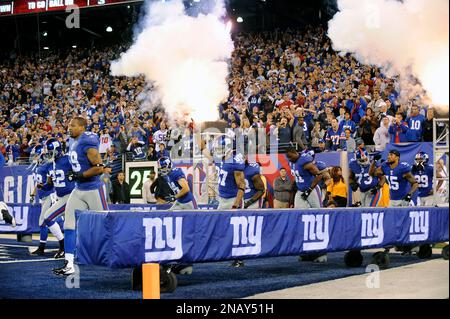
x: 184, y: 188
x: 315, y: 172
x: 95, y: 159
x: 375, y: 171
x: 259, y: 186
x: 326, y: 176
x: 412, y: 181
x: 240, y: 182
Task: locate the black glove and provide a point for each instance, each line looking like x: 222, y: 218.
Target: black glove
x: 32, y: 199
x: 376, y: 157
x: 306, y: 193
x: 169, y: 198
x: 76, y: 177
x: 407, y: 198
x: 39, y: 186
x: 375, y: 189
x: 247, y: 204
x: 354, y: 186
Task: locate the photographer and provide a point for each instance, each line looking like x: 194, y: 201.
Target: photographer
x: 137, y: 148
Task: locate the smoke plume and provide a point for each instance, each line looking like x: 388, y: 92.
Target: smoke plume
x: 185, y: 58
x: 408, y: 38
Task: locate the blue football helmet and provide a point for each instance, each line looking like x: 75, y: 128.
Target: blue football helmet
x: 37, y: 154
x: 54, y: 148
x: 421, y: 158
x: 164, y: 166
x: 310, y: 153
x: 362, y: 157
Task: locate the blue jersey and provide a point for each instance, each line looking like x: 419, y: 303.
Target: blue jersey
x: 227, y: 182
x: 78, y: 158
x: 363, y: 179
x: 58, y: 173
x: 250, y: 171
x: 425, y: 179
x: 347, y: 125
x: 172, y: 179
x: 398, y: 185
x: 303, y: 177
x: 335, y: 138
x: 40, y: 175
x: 415, y: 123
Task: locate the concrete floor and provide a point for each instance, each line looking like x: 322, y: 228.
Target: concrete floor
x: 425, y: 280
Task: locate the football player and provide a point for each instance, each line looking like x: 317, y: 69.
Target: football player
x: 423, y: 173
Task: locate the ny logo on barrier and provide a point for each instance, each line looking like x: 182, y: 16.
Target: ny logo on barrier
x: 372, y: 232
x: 418, y: 231
x: 246, y: 235
x: 163, y: 239
x: 20, y: 215
x: 315, y: 232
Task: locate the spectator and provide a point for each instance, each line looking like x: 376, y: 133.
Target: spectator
x: 348, y: 143
x: 428, y: 126
x: 151, y: 153
x: 160, y: 136
x: 147, y: 196
x: 137, y: 148
x: 299, y: 136
x: 317, y: 134
x: 382, y: 137
x: 337, y: 189
x: 283, y: 131
x: 162, y: 151
x: 334, y: 136
x: 398, y: 129
x: 120, y: 190
x: 111, y: 155
x: 282, y: 187
x: 368, y: 125
x: 415, y: 124
x: 106, y: 179
x: 322, y: 147
x: 105, y: 142
x: 347, y: 123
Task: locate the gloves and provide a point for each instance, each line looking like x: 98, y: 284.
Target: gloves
x: 247, y: 204
x: 376, y: 157
x: 169, y: 198
x: 407, y: 198
x: 306, y: 193
x: 76, y: 177
x: 375, y: 190
x: 32, y: 199
x: 354, y: 186
x: 39, y: 186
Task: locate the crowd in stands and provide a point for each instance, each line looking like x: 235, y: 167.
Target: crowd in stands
x: 290, y: 84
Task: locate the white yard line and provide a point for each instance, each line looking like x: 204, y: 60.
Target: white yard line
x: 26, y: 261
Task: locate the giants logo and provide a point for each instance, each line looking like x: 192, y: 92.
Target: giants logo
x: 418, y: 231
x: 163, y: 238
x: 372, y: 232
x: 246, y: 235
x: 315, y: 232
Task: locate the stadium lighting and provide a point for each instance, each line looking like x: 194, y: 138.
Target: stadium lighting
x: 196, y: 0
x: 128, y: 7
x: 109, y: 29
x: 46, y: 48
x: 74, y: 46
x: 240, y: 20
x: 45, y: 33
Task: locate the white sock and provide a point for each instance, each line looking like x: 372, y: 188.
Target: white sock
x: 69, y: 258
x: 56, y: 231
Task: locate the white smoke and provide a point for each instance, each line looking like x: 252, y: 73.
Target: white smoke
x: 408, y: 38
x: 185, y: 58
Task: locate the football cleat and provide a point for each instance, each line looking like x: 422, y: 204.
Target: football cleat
x: 60, y: 254
x: 38, y: 252
x: 64, y: 270
x: 237, y: 263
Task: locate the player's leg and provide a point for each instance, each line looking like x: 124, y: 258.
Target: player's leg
x: 256, y: 205
x: 299, y: 202
x: 397, y: 203
x: 43, y: 229
x: 225, y: 203
x: 183, y: 206
x: 315, y: 198
x: 427, y: 201
x: 371, y: 200
x: 51, y: 215
x: 74, y: 202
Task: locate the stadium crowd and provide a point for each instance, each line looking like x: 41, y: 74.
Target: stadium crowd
x: 289, y: 83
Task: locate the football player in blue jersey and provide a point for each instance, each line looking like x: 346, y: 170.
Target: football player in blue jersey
x: 183, y: 198
x: 41, y: 170
x: 89, y: 191
x: 423, y: 173
x: 402, y: 184
x: 254, y: 186
x: 231, y: 175
x: 369, y: 186
x: 57, y: 179
x: 307, y: 177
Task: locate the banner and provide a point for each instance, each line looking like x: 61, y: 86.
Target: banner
x: 16, y: 184
x: 124, y: 239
